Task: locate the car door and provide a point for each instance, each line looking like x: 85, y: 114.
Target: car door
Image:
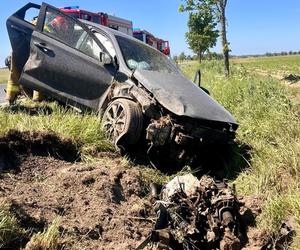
x: 64, y: 60
x: 20, y: 26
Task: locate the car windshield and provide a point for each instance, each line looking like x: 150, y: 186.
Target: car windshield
x: 140, y: 56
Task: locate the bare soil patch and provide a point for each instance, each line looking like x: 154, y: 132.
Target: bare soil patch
x: 290, y: 79
x: 101, y: 205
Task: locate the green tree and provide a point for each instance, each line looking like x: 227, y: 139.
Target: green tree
x: 202, y: 33
x: 182, y: 56
x: 217, y: 8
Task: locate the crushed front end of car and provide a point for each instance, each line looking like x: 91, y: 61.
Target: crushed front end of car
x: 184, y: 137
x: 184, y: 119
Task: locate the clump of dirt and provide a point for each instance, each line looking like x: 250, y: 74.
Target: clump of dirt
x: 292, y: 78
x: 15, y: 145
x: 101, y: 205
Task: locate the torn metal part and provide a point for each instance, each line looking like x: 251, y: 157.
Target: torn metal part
x: 188, y: 184
x: 159, y: 131
x: 199, y: 214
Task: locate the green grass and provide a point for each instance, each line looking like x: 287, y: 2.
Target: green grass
x: 9, y: 227
x: 84, y: 130
x: 3, y: 75
x: 48, y: 239
x: 270, y: 124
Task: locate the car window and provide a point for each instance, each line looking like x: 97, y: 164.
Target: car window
x: 88, y: 45
x: 68, y: 31
x: 106, y: 43
x: 137, y: 55
x: 31, y: 15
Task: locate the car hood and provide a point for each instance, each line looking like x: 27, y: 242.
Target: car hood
x: 182, y: 97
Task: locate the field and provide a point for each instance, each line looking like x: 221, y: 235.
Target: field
x: 3, y: 75
x: 101, y: 186
x: 282, y: 65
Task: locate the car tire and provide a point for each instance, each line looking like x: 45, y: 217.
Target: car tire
x: 122, y: 122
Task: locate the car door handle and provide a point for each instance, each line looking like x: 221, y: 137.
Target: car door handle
x: 42, y: 46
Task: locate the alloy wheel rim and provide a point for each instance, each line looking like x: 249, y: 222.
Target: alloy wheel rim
x: 114, y: 121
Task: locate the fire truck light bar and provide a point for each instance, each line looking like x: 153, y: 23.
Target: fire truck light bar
x: 71, y: 7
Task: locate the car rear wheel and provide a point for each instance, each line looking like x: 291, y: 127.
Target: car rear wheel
x: 122, y: 122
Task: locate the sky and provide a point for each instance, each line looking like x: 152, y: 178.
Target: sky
x: 254, y: 26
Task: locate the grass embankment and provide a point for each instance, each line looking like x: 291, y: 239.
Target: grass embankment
x: 84, y: 130
x: 3, y: 75
x: 270, y: 125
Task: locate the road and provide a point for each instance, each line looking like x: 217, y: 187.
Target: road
x: 2, y: 93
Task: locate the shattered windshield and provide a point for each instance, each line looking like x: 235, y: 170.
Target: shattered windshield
x: 140, y: 56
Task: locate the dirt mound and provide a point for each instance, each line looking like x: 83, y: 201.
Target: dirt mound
x: 101, y: 205
x: 15, y: 145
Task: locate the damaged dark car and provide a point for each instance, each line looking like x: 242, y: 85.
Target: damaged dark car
x: 139, y: 93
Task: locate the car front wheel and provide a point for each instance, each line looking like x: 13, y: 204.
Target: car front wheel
x: 122, y: 122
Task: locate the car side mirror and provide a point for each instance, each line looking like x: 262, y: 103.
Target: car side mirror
x: 105, y: 58
x: 197, y: 78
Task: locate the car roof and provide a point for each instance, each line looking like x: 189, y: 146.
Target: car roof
x: 113, y: 32
x: 107, y: 29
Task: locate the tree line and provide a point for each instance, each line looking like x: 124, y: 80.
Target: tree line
x: 283, y: 53
x: 207, y: 56
x: 218, y: 56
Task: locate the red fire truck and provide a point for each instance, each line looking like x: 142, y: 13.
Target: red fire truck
x: 120, y: 24
x: 148, y: 38
x: 113, y: 22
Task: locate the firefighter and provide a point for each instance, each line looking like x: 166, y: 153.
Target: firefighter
x: 13, y: 87
x: 59, y: 24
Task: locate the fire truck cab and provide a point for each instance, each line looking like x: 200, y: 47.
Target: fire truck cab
x: 113, y: 22
x: 151, y: 40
